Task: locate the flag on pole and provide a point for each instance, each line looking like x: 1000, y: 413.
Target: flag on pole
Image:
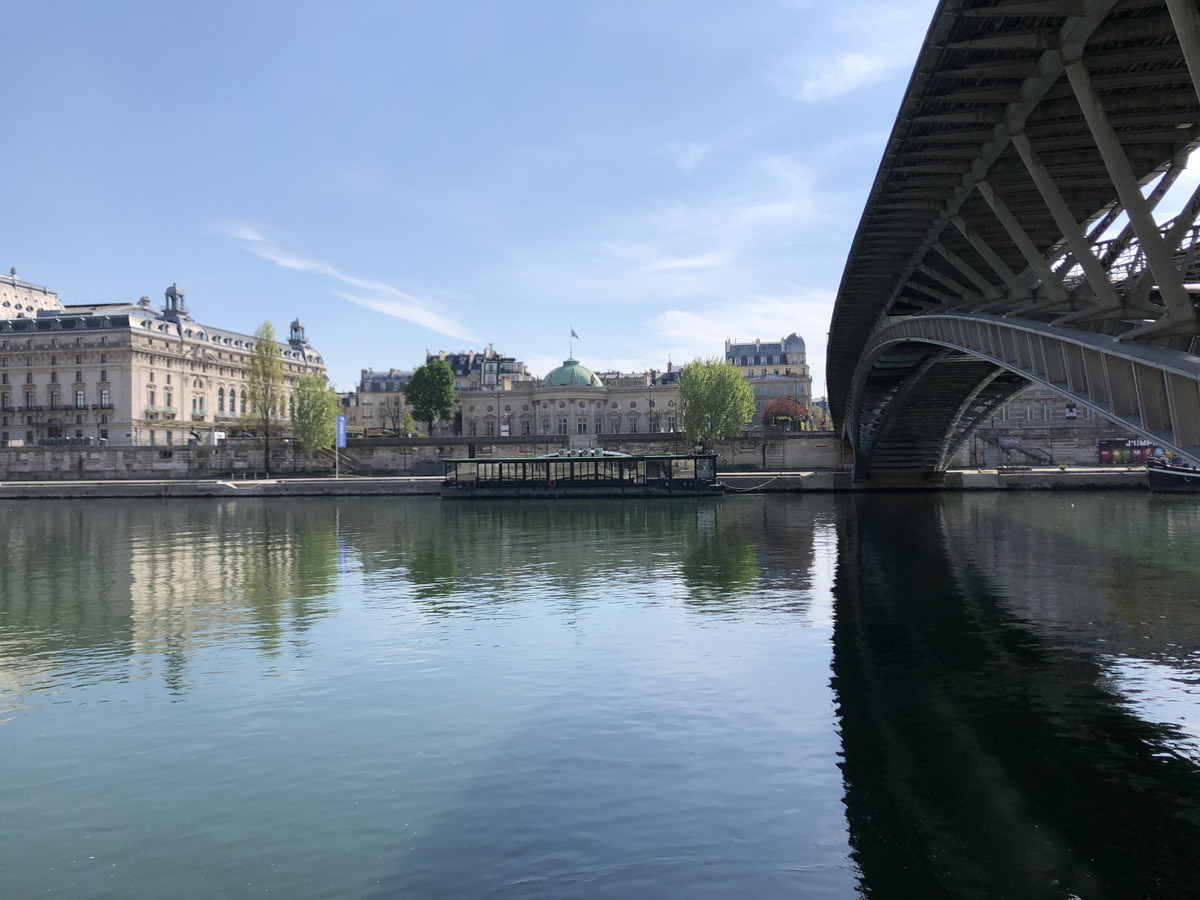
x: 574, y: 335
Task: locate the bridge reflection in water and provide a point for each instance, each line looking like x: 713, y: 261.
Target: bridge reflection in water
x: 605, y: 698
x: 992, y: 747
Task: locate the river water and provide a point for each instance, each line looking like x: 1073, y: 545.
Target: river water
x: 792, y: 696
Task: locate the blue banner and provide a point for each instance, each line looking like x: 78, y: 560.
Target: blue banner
x: 341, y: 432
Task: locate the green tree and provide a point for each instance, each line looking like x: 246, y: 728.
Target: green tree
x: 431, y: 392
x: 715, y: 401
x: 263, y: 401
x: 315, y: 420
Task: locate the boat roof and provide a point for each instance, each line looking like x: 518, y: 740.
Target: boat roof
x: 567, y: 454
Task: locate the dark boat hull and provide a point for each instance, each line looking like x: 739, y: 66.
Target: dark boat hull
x: 1173, y: 479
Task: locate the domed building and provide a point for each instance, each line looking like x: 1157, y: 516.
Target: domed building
x: 571, y: 399
x: 572, y: 374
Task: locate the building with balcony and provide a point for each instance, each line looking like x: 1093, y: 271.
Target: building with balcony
x: 773, y: 368
x: 379, y: 402
x: 124, y: 373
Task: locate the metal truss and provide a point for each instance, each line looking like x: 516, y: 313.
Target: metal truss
x: 931, y: 380
x: 1031, y: 131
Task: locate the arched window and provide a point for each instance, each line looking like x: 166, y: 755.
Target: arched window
x: 232, y: 402
x: 220, y: 400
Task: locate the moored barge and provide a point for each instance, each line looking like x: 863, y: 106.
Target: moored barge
x: 1170, y: 477
x: 582, y: 473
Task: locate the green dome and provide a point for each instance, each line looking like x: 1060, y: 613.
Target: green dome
x: 570, y: 374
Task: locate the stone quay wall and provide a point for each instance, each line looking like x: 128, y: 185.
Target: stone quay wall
x: 243, y: 458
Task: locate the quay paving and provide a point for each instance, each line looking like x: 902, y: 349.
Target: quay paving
x: 1076, y: 478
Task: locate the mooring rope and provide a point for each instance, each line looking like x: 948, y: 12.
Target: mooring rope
x: 757, y: 487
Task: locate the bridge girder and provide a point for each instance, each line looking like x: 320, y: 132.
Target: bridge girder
x: 1030, y: 129
x: 931, y: 380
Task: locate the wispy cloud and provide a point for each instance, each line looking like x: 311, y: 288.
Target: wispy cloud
x: 704, y: 261
x: 379, y: 296
x: 687, y: 155
x: 411, y: 311
x: 767, y: 316
x: 868, y: 43
x: 707, y: 248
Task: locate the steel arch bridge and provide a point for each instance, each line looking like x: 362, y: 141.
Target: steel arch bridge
x: 1010, y: 235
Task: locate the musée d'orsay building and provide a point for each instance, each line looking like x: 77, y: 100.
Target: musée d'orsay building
x: 123, y: 373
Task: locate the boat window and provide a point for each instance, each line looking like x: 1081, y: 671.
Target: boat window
x: 658, y: 468
x: 683, y: 468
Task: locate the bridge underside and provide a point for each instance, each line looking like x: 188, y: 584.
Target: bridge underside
x: 918, y: 403
x: 1011, y: 233
x: 928, y: 381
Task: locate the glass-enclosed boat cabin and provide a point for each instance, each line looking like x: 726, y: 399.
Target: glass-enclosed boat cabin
x: 583, y: 473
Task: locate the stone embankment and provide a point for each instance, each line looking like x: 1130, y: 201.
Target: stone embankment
x: 736, y: 482
x: 1024, y: 479
x: 274, y: 487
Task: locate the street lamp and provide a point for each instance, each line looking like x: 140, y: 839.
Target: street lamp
x: 650, y: 400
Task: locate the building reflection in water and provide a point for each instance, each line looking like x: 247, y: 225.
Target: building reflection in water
x: 476, y: 559
x: 86, y: 585
x: 987, y: 749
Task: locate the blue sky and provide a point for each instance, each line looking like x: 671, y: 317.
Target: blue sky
x: 409, y: 176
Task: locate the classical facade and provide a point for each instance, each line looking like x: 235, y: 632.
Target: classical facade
x: 378, y: 405
x: 124, y: 373
x: 773, y: 368
x: 573, y: 400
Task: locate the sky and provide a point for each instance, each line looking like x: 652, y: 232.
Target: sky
x: 407, y: 177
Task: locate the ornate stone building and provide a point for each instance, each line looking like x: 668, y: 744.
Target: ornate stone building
x: 124, y: 373
x: 573, y: 400
x: 378, y: 405
x: 774, y: 369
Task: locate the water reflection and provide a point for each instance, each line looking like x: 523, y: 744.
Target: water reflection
x: 986, y: 750
x: 609, y: 697
x: 330, y: 698
x: 87, y: 585
x: 467, y: 558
